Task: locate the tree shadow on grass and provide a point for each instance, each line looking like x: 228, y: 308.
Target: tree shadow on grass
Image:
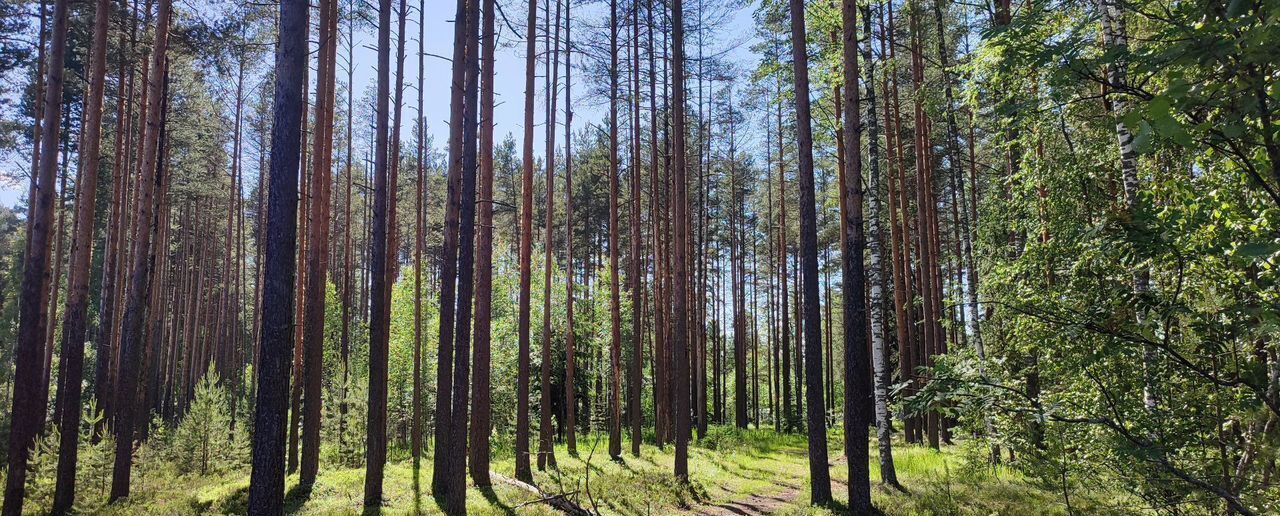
x: 296, y: 497
x: 492, y: 497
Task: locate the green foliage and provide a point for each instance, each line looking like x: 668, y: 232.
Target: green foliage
x: 205, y: 441
x: 96, y: 452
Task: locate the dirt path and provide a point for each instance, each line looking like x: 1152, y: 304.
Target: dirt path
x: 757, y: 504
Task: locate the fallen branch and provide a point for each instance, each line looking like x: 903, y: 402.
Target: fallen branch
x: 560, y: 502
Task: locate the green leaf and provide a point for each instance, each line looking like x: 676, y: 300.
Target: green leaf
x: 1236, y: 7
x: 1258, y: 249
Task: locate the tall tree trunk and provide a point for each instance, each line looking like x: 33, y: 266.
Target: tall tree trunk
x: 318, y: 244
x: 480, y: 410
x: 737, y: 208
x: 419, y: 242
x: 523, y: 471
x: 635, y: 382
x: 28, y: 409
x: 570, y: 405
x: 546, y: 448
x: 379, y: 302
x: 454, y: 487
x: 790, y: 418
x: 131, y: 336
x: 344, y: 344
x: 266, y: 483
x: 615, y: 318
x: 73, y: 329
x: 875, y: 274
x: 680, y: 200
x: 819, y: 475
x: 857, y: 386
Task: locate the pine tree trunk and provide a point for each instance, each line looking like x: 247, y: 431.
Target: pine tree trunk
x: 318, y: 245
x: 635, y: 381
x: 379, y: 297
x: 570, y: 404
x: 419, y: 242
x: 857, y: 386
x: 143, y: 256
x: 480, y: 415
x: 73, y: 329
x: 28, y: 410
x: 266, y: 484
x: 680, y: 200
x: 523, y: 471
x: 546, y: 448
x: 819, y: 475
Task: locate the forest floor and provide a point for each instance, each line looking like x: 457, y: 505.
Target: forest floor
x: 731, y: 473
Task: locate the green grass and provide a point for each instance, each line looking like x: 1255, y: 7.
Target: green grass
x: 726, y: 466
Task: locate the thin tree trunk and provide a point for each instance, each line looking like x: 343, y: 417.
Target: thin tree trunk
x: 680, y: 199
x: 73, y: 329
x: 546, y: 449
x: 143, y: 259
x: 819, y: 475
x: 875, y: 275
x: 454, y: 486
x: 28, y: 410
x: 570, y: 405
x: 419, y: 242
x: 857, y: 386
x: 523, y: 471
x: 635, y: 381
x: 379, y: 302
x: 480, y: 414
x: 615, y: 334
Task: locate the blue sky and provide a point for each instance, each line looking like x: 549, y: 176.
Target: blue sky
x: 735, y: 36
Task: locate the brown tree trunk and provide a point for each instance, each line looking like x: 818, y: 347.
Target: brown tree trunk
x: 615, y: 318
x: 635, y: 381
x: 145, y: 227
x: 28, y: 408
x: 266, y: 483
x: 858, y: 413
x: 819, y: 475
x: 523, y: 471
x: 570, y: 405
x: 679, y: 198
x: 454, y: 486
x: 318, y: 244
x: 546, y: 449
x: 73, y: 329
x: 480, y: 410
x: 379, y: 297
x: 419, y: 225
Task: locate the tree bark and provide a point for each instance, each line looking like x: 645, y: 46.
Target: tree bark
x: 480, y: 414
x: 318, y: 245
x: 379, y: 302
x: 266, y: 483
x: 523, y: 471
x: 546, y: 448
x: 28, y: 410
x: 857, y: 386
x: 875, y: 275
x: 680, y: 200
x: 73, y: 329
x: 145, y: 226
x: 819, y: 475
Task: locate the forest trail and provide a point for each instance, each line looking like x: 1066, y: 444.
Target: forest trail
x: 757, y: 504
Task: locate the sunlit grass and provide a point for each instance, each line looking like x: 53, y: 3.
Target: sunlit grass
x: 726, y: 466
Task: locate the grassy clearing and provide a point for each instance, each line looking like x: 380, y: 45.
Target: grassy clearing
x: 726, y: 466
